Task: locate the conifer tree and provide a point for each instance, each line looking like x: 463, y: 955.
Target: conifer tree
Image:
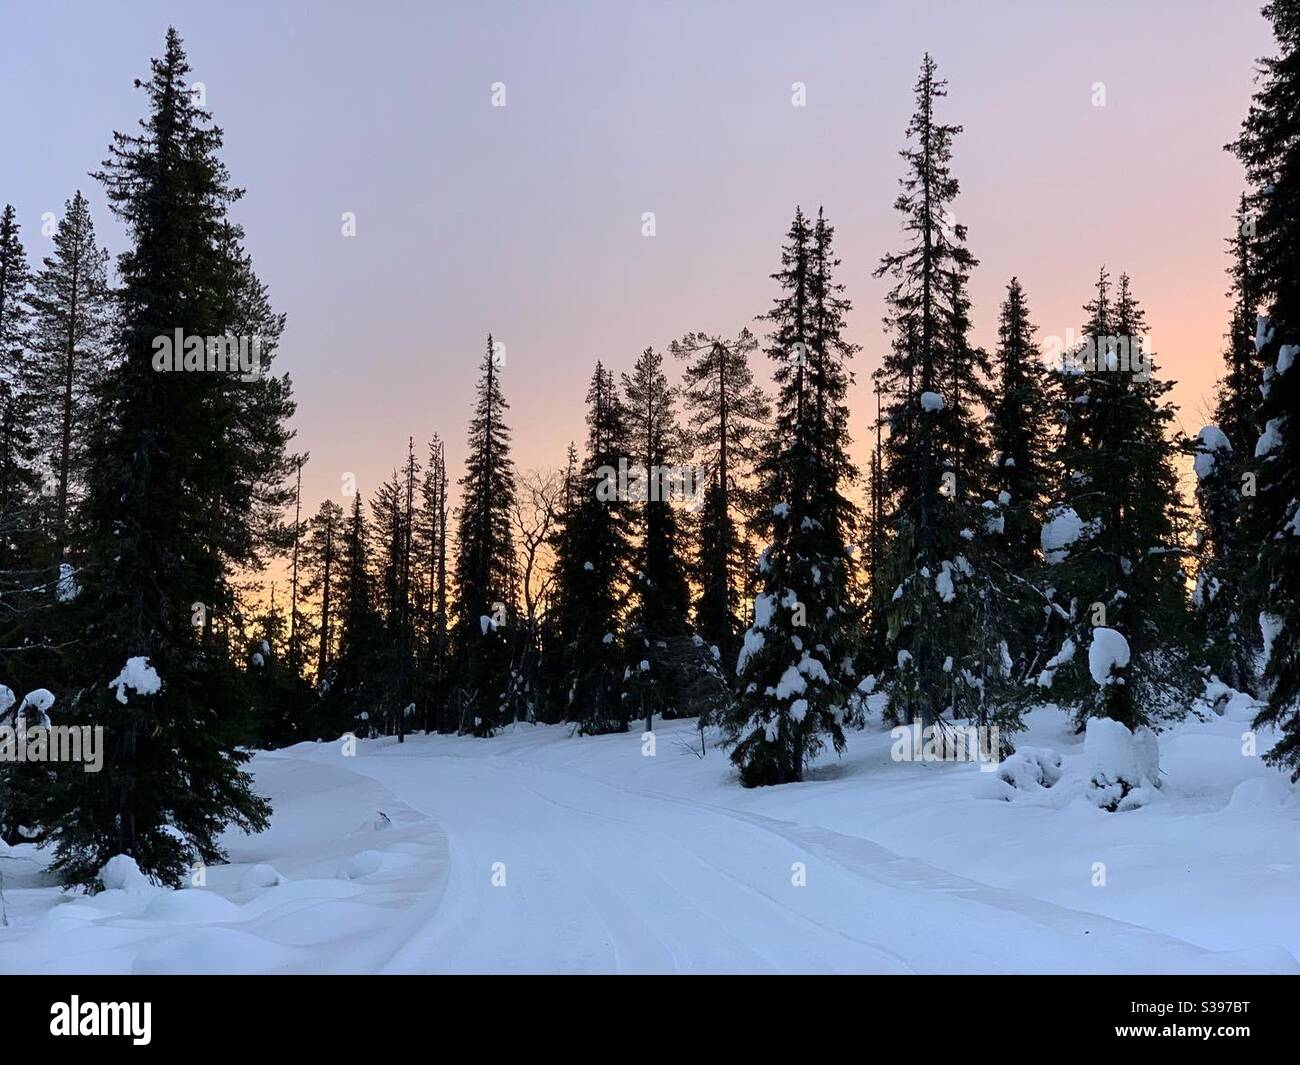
x: 1022, y: 477
x: 936, y: 468
x: 1226, y: 606
x: 485, y: 561
x: 658, y: 644
x: 795, y: 669
x: 592, y: 557
x: 70, y: 320
x: 19, y: 481
x: 1269, y: 146
x: 1111, y: 535
x: 170, y: 512
x: 727, y: 412
x: 322, y: 550
x: 353, y: 686
x: 431, y: 531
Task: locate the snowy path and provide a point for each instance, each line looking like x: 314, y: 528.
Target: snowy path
x: 540, y: 852
x: 601, y: 877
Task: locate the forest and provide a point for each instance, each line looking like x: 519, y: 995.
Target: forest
x: 1026, y: 529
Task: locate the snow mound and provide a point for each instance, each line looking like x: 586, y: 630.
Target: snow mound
x: 1031, y: 768
x: 931, y: 402
x: 192, y: 906
x: 120, y: 873
x: 260, y: 876
x: 1124, y: 766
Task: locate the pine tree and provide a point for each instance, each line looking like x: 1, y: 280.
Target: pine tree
x: 170, y: 511
x: 592, y: 556
x: 1269, y: 146
x: 1111, y: 537
x: 485, y: 561
x: 936, y: 458
x: 795, y: 668
x: 70, y: 320
x: 727, y: 412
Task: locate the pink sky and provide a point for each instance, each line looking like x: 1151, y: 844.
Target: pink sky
x: 526, y: 220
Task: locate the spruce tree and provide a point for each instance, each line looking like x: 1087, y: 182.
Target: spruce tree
x: 662, y: 663
x: 727, y: 412
x: 485, y: 560
x: 431, y: 531
x: 935, y: 459
x: 70, y: 320
x: 1021, y: 436
x: 1269, y: 146
x: 1226, y: 608
x: 182, y: 489
x: 19, y: 480
x: 1111, y: 538
x: 321, y: 560
x: 795, y: 669
x: 353, y: 685
x: 592, y: 558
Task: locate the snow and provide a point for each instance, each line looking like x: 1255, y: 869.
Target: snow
x: 931, y: 402
x: 1061, y: 529
x: 943, y: 584
x: 754, y: 641
x: 1212, y: 440
x: 1270, y: 628
x: 614, y: 862
x: 1270, y: 438
x: 1124, y: 766
x: 67, y: 588
x: 139, y: 676
x: 1107, y: 655
x: 1286, y: 357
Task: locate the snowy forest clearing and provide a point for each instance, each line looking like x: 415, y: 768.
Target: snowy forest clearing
x: 543, y: 852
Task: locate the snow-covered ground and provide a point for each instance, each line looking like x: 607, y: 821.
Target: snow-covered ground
x: 537, y: 851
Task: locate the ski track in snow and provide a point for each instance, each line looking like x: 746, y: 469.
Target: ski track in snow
x: 606, y: 878
x: 619, y: 863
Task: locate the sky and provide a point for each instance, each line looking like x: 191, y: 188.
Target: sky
x: 525, y: 220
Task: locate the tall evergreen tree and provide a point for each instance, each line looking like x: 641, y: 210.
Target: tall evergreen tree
x: 19, y: 481
x: 1111, y: 536
x: 936, y: 469
x: 1021, y: 420
x: 485, y: 561
x: 658, y: 642
x: 727, y: 412
x: 592, y: 556
x: 1225, y: 601
x: 71, y: 305
x: 166, y: 517
x: 322, y: 550
x: 1269, y: 146
x: 432, y: 548
x: 795, y: 669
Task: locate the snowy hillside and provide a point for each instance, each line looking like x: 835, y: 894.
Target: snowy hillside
x: 541, y: 852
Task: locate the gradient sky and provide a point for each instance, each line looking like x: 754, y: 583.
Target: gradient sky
x: 526, y: 220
